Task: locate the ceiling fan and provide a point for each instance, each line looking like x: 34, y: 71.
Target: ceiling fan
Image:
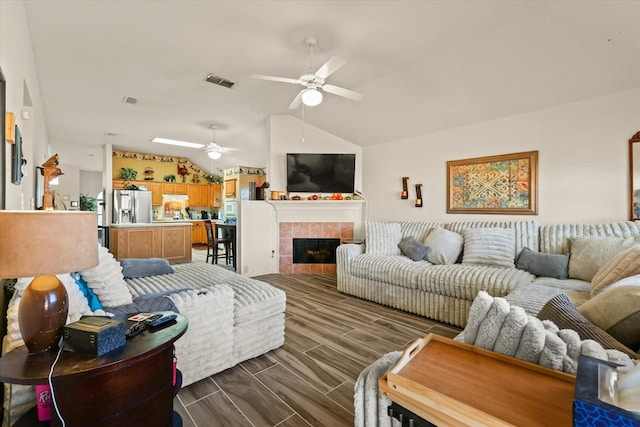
x: 213, y: 149
x: 315, y: 83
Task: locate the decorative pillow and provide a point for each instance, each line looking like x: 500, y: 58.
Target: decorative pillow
x: 107, y: 281
x: 383, y: 238
x: 625, y: 264
x: 412, y: 248
x: 489, y: 246
x: 541, y: 264
x: 617, y: 311
x: 143, y: 267
x: 565, y: 315
x: 90, y: 296
x: 446, y: 246
x: 588, y: 254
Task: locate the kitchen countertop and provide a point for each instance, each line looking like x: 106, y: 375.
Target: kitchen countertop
x: 155, y: 224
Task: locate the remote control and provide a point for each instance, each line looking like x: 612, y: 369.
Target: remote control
x: 161, y: 318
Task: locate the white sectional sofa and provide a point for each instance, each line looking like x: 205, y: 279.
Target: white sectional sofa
x: 379, y: 272
x: 231, y: 318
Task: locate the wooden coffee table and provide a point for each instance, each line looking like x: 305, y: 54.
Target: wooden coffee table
x: 450, y: 383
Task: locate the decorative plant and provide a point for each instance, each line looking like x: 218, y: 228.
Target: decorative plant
x: 170, y: 178
x: 88, y: 203
x: 183, y: 172
x: 214, y: 179
x: 128, y: 173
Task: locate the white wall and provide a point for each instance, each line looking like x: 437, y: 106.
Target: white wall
x: 16, y: 61
x: 286, y: 135
x: 583, y: 170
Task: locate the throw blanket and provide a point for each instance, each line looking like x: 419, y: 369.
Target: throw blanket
x: 496, y: 326
x: 371, y: 406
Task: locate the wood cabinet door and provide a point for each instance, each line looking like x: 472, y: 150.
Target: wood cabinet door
x: 169, y: 188
x: 156, y: 193
x: 194, y: 195
x: 230, y: 189
x: 182, y: 189
x: 215, y: 195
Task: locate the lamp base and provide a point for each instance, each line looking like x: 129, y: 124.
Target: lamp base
x: 42, y: 313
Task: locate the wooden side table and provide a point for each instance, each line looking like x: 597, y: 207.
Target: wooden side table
x: 131, y: 386
x: 450, y: 383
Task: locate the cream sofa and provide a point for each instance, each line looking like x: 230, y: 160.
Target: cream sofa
x: 378, y: 271
x: 231, y: 318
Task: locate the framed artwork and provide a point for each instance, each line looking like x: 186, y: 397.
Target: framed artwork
x: 504, y: 184
x: 3, y: 89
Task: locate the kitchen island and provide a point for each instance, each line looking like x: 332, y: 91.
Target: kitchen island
x: 170, y: 240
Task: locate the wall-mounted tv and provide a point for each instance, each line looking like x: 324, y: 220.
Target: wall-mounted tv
x: 321, y: 173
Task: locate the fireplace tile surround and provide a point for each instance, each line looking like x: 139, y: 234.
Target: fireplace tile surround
x: 291, y: 230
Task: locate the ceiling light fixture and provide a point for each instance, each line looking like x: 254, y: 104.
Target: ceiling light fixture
x: 311, y: 97
x: 215, y: 155
x: 176, y: 142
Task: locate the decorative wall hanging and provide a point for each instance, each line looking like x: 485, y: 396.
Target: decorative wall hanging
x: 405, y: 188
x: 503, y: 184
x: 9, y: 122
x: 418, y: 195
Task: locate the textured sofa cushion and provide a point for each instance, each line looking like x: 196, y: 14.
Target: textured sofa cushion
x: 540, y: 264
x: 565, y: 315
x: 625, y: 264
x: 383, y: 238
x: 617, y: 311
x: 588, y: 254
x: 446, y: 246
x: 107, y: 281
x: 489, y: 246
x: 412, y: 248
x: 139, y: 267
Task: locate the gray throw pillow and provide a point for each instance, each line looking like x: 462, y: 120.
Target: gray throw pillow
x: 412, y: 248
x: 541, y: 264
x: 143, y: 267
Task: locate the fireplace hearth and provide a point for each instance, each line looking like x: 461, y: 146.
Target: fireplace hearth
x: 314, y: 250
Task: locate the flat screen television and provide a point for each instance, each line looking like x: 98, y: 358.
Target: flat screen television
x: 321, y: 173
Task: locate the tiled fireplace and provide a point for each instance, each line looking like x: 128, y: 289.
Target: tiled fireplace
x: 320, y: 230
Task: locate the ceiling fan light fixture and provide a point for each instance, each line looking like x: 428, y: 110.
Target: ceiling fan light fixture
x: 311, y: 97
x: 215, y: 155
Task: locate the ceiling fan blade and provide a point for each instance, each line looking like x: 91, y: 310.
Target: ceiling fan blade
x: 296, y: 101
x: 330, y: 67
x: 276, y: 79
x: 340, y: 91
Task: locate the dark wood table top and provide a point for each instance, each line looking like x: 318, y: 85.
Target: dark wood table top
x: 20, y: 367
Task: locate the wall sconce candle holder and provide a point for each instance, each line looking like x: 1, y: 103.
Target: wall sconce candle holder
x: 405, y: 188
x: 418, y: 195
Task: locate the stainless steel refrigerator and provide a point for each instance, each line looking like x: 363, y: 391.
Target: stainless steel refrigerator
x: 132, y: 206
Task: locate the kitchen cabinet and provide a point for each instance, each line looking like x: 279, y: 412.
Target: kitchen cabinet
x: 215, y: 195
x: 175, y: 188
x: 199, y: 195
x: 156, y: 192
x: 230, y: 188
x: 198, y: 232
x: 171, y: 242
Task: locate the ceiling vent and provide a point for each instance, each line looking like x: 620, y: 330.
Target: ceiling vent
x: 211, y: 78
x: 129, y: 100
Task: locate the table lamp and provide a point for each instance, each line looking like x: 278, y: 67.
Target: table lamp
x: 41, y: 244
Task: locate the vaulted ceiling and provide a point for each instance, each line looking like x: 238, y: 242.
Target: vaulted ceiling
x: 423, y: 66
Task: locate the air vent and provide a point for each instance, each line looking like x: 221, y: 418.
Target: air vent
x: 211, y: 78
x: 110, y: 134
x: 129, y: 100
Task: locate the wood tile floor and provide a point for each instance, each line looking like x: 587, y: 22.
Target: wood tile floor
x: 329, y: 338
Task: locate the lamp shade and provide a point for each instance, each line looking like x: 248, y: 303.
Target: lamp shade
x: 215, y: 155
x: 42, y: 244
x: 36, y: 243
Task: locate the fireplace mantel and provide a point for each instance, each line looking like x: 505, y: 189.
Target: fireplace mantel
x: 320, y: 211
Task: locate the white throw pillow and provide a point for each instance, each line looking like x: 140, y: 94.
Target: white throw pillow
x: 446, y: 246
x: 106, y: 280
x: 490, y: 246
x: 383, y: 238
x: 588, y: 254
